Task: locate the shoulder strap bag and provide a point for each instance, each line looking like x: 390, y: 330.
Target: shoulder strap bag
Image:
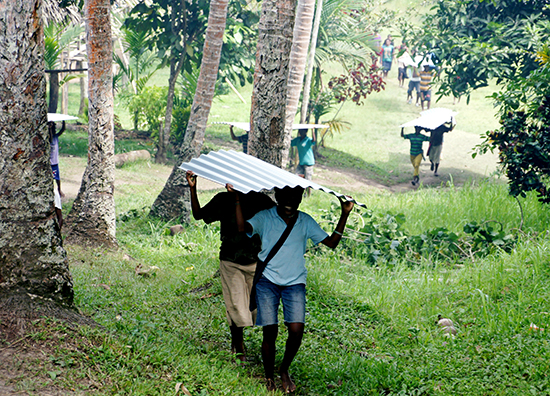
x: 260, y: 266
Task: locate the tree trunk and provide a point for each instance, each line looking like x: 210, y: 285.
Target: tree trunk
x: 92, y: 217
x: 297, y: 66
x: 54, y: 92
x: 83, y: 95
x: 32, y: 259
x: 164, y: 134
x: 175, y: 69
x: 267, y: 118
x: 173, y: 201
x: 310, y: 62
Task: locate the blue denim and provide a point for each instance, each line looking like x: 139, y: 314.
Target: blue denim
x: 268, y: 297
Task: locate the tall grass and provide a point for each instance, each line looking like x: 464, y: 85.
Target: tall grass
x: 370, y: 329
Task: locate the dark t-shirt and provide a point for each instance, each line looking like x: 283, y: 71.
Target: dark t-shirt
x: 236, y: 247
x: 436, y: 135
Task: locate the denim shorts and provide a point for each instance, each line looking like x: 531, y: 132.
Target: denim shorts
x: 55, y: 171
x: 268, y: 297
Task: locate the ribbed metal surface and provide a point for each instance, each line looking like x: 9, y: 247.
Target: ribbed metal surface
x: 246, y: 125
x: 433, y: 118
x: 247, y: 173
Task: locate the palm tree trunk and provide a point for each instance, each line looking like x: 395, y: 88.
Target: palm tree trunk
x: 175, y: 69
x: 54, y: 92
x: 310, y: 62
x: 268, y: 112
x: 173, y: 201
x: 298, y: 60
x: 32, y: 259
x: 92, y: 217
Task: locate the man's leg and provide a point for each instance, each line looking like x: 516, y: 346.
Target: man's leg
x: 268, y: 353
x: 435, y: 172
x: 295, y: 335
x: 268, y: 296
x: 237, y: 342
x: 236, y: 283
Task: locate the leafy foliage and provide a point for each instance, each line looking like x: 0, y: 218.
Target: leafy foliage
x: 381, y: 238
x: 478, y: 40
x: 523, y: 140
x: 357, y: 84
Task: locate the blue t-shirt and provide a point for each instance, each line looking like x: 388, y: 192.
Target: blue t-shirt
x: 288, y: 266
x: 304, y: 150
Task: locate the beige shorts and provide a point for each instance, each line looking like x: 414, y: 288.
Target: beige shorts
x: 435, y: 153
x: 236, y: 285
x: 305, y: 171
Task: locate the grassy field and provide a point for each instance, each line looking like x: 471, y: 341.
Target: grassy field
x: 371, y: 324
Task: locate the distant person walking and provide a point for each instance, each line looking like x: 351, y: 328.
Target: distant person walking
x: 54, y: 152
x: 243, y: 139
x: 426, y: 77
x: 436, y: 144
x: 304, y: 145
x: 414, y: 81
x: 416, y: 151
x: 403, y: 54
x: 387, y: 56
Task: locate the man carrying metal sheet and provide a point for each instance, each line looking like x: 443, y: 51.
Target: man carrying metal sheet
x: 416, y: 151
x: 238, y: 254
x: 284, y: 232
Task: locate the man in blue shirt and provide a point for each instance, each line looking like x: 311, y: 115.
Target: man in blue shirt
x: 284, y: 277
x: 304, y: 145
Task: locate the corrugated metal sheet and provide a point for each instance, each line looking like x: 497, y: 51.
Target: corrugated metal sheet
x: 246, y: 125
x: 432, y: 118
x: 247, y: 173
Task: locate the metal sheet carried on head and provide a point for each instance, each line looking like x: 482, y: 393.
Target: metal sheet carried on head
x: 247, y: 173
x: 433, y: 118
x: 246, y: 125
x: 56, y: 117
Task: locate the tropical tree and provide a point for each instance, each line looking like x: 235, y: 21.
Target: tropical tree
x: 267, y: 139
x: 344, y: 33
x: 477, y: 41
x: 92, y: 217
x: 174, y: 199
x: 298, y: 59
x: 32, y: 259
x: 175, y: 28
x: 507, y: 42
x: 57, y: 37
x: 142, y: 64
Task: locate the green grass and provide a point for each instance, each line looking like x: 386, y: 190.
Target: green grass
x: 370, y: 329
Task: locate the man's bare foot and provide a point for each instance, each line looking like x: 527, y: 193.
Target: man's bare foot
x: 239, y: 355
x: 288, y: 385
x: 270, y: 385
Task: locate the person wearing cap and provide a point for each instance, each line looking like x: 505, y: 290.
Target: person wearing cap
x: 284, y: 276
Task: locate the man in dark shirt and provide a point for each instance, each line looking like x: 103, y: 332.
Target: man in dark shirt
x: 436, y: 144
x: 243, y: 139
x: 238, y: 254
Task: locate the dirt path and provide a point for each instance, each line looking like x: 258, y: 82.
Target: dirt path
x: 457, y: 166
